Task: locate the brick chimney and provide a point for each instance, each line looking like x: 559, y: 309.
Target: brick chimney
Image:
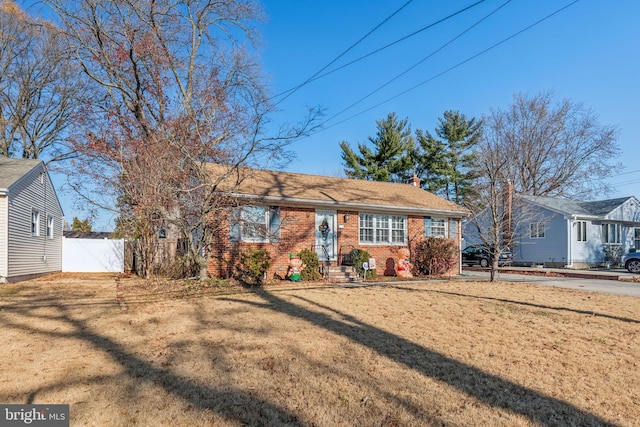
x: 415, y: 181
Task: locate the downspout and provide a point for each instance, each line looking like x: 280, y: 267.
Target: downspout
x: 459, y: 225
x: 571, y: 223
x: 43, y: 181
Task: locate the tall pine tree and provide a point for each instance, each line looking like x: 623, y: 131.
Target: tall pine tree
x: 386, y: 157
x: 445, y: 165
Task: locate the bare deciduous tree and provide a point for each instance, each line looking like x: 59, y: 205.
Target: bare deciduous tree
x: 39, y: 88
x: 533, y: 148
x: 497, y: 217
x: 552, y: 149
x: 174, y: 91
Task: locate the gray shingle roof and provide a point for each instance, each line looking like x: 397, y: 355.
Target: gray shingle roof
x: 12, y: 170
x: 596, y: 208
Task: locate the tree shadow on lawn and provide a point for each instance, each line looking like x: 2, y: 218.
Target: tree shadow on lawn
x: 528, y: 304
x: 236, y: 405
x: 489, y: 389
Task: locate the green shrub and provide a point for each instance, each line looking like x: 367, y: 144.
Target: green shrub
x: 312, y: 269
x: 358, y: 257
x: 254, y: 263
x: 434, y: 255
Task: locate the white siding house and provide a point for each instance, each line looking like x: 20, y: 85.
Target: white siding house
x: 31, y: 221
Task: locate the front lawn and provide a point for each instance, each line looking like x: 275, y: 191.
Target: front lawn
x: 126, y: 352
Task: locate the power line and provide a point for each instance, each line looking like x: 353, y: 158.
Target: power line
x: 292, y: 91
x: 459, y: 64
x: 317, y: 75
x: 417, y: 63
x: 625, y: 173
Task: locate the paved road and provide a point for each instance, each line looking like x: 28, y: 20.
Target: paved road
x: 583, y: 284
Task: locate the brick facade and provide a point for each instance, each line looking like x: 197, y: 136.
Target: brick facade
x: 297, y: 232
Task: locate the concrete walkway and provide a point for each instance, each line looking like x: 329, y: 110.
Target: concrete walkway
x: 599, y: 274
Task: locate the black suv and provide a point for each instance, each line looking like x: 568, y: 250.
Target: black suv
x: 480, y: 255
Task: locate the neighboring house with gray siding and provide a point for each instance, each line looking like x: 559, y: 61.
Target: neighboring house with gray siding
x: 578, y: 234
x: 31, y: 221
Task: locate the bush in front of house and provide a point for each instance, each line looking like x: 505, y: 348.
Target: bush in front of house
x: 434, y: 255
x: 358, y: 257
x: 312, y: 265
x: 254, y: 263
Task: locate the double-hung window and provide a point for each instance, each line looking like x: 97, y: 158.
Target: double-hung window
x: 35, y: 222
x: 49, y: 227
x: 435, y: 227
x: 611, y: 233
x: 581, y: 231
x: 255, y: 224
x: 537, y: 230
x: 382, y: 229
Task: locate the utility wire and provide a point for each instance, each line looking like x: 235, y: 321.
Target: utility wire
x: 416, y: 64
x: 292, y: 91
x: 433, y: 24
x: 459, y: 64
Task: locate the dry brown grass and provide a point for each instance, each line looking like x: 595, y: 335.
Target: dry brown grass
x: 443, y: 353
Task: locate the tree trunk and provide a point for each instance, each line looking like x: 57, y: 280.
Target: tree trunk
x: 494, y: 269
x: 204, y: 266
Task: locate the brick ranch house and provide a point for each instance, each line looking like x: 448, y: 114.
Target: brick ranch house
x: 284, y: 213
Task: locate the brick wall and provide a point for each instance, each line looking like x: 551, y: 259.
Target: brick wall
x: 298, y: 233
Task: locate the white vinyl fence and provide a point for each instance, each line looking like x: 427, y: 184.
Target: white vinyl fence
x: 92, y: 255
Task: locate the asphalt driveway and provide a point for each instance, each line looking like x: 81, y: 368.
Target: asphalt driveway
x: 586, y: 283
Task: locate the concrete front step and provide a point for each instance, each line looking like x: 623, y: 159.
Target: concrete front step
x: 341, y: 274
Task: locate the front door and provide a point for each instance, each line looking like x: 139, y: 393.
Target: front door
x: 326, y: 237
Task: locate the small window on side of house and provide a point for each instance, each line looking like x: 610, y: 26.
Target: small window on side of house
x: 581, y: 231
x: 537, y: 230
x: 35, y: 222
x: 49, y: 227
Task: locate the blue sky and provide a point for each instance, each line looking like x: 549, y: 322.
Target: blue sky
x: 588, y: 52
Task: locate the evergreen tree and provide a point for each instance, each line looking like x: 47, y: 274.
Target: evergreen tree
x: 80, y: 225
x: 445, y: 165
x: 389, y: 157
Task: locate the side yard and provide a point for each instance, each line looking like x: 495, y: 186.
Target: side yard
x: 124, y: 352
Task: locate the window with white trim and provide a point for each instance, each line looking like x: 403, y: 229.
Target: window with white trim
x: 537, y: 230
x: 382, y: 229
x: 435, y: 227
x: 49, y: 227
x: 581, y: 231
x: 611, y: 233
x: 35, y: 222
x: 256, y: 224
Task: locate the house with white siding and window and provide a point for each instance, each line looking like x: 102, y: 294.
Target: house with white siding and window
x: 578, y: 234
x: 31, y: 221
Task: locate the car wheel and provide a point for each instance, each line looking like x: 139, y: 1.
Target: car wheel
x: 634, y: 266
x: 485, y: 263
